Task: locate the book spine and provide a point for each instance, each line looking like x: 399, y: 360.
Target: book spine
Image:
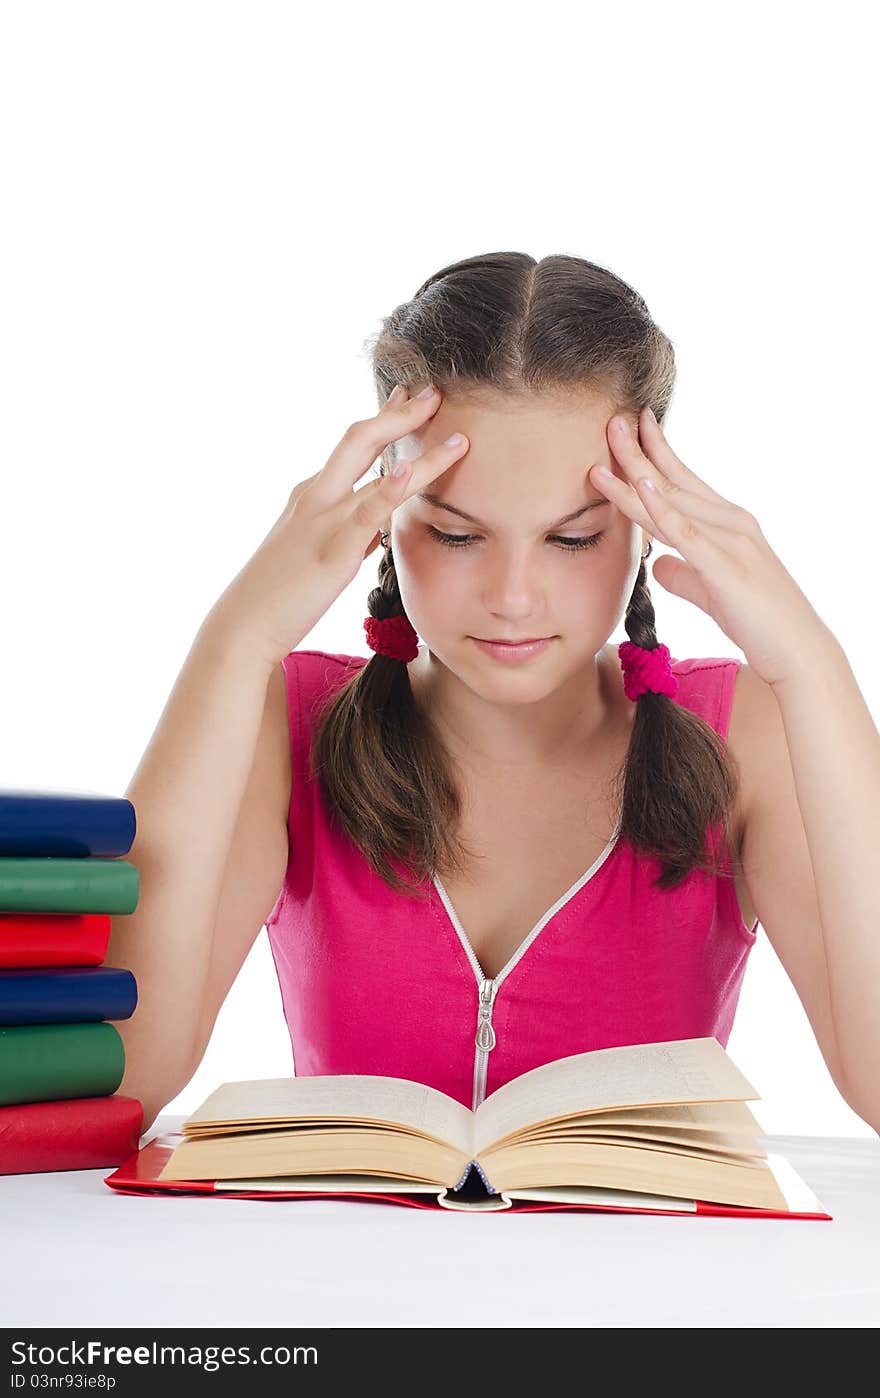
x: 42, y: 1062
x: 29, y: 940
x: 65, y: 824
x: 68, y: 885
x: 66, y: 996
x: 475, y: 1167
x: 77, y: 1134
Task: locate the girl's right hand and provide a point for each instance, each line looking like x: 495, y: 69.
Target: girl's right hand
x: 327, y: 529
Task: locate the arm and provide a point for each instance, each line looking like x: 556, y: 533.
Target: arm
x: 810, y: 852
x: 187, y: 792
x: 198, y: 912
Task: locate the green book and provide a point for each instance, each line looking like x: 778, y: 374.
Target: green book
x: 46, y: 1062
x: 47, y: 885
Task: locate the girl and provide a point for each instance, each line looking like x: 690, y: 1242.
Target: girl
x: 516, y: 841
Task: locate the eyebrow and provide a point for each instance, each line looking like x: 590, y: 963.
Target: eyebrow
x: 435, y: 500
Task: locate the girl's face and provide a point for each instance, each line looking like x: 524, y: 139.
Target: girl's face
x: 514, y: 570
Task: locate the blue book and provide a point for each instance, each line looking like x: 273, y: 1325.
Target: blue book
x: 65, y: 824
x: 66, y: 994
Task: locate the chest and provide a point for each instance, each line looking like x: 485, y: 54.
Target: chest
x: 530, y: 851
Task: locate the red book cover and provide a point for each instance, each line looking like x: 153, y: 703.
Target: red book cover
x: 53, y: 939
x: 77, y: 1133
x: 140, y: 1175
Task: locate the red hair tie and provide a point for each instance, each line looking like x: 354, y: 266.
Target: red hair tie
x: 646, y: 669
x: 392, y: 635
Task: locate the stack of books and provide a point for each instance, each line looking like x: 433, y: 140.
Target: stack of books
x: 62, y: 877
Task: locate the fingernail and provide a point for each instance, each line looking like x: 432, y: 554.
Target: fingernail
x: 623, y: 426
x: 426, y: 392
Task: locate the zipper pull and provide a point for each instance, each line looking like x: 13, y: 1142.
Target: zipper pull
x: 485, y: 1037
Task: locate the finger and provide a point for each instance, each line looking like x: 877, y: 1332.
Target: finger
x: 650, y: 454
x: 696, y: 527
x: 697, y: 543
x: 365, y: 440
x: 371, y: 505
x: 667, y: 506
x: 374, y: 503
x: 626, y: 499
x: 432, y: 463
x: 395, y: 397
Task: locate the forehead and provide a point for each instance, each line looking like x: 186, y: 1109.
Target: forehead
x: 526, y: 466
x: 545, y: 437
x: 496, y: 414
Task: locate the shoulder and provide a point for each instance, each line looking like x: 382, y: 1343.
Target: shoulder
x: 707, y: 685
x: 322, y: 666
x: 313, y: 674
x: 320, y: 657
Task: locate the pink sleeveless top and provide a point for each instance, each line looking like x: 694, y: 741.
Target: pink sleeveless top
x: 373, y: 981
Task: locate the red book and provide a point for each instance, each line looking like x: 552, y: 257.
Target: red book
x: 77, y: 1133
x: 53, y: 939
x: 140, y: 1175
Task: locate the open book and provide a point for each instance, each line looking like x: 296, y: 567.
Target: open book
x: 653, y: 1127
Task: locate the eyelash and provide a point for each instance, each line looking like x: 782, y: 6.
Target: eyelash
x: 460, y: 541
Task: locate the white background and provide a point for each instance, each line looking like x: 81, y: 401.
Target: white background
x: 208, y: 208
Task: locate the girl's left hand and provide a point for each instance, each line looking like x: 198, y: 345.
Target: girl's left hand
x: 728, y: 569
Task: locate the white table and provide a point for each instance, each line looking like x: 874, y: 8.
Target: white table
x: 86, y: 1255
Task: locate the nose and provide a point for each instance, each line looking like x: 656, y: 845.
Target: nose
x: 512, y: 587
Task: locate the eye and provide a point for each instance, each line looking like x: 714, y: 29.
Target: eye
x: 569, y: 545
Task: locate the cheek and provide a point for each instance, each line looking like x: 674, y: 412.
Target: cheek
x: 582, y: 590
x: 599, y: 585
x: 413, y: 551
x: 428, y: 574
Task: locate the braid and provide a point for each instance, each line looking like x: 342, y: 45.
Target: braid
x: 385, y: 601
x: 388, y: 629
x: 640, y: 621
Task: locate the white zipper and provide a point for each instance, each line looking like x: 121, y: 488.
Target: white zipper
x: 484, y: 1038
x: 488, y: 986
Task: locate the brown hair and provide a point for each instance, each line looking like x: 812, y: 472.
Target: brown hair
x: 508, y: 323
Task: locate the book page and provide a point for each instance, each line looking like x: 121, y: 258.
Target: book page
x: 668, y: 1137
x: 328, y: 1184
x: 697, y: 1116
x: 616, y: 1198
x: 624, y: 1167
x: 632, y: 1075
x: 408, y: 1155
x: 353, y: 1097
